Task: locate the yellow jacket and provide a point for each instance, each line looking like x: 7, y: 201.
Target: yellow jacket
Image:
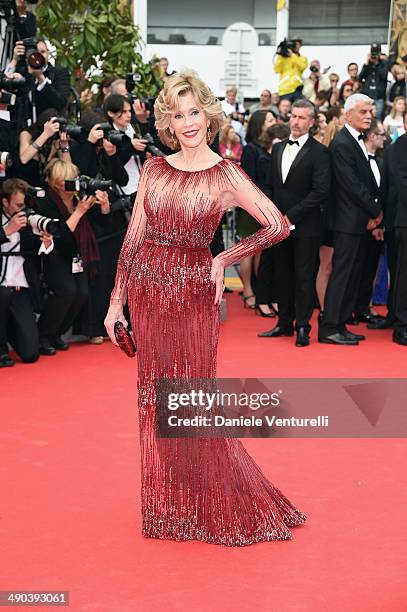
x: 290, y: 70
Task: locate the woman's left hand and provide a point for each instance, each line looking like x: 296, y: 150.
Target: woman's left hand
x: 217, y: 277
x: 102, y: 199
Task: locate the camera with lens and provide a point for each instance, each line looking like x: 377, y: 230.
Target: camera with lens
x: 37, y: 222
x: 76, y: 132
x: 131, y: 80
x: 10, y: 83
x: 285, y: 47
x: 151, y: 148
x: 314, y: 68
x: 33, y: 57
x: 115, y: 137
x: 86, y: 186
x: 375, y: 51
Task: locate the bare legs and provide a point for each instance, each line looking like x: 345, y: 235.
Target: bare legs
x: 324, y: 272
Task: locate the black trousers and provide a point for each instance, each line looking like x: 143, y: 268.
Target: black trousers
x: 373, y: 251
x: 295, y: 261
x: 265, y: 286
x: 17, y: 324
x: 68, y: 294
x: 400, y: 281
x: 390, y: 241
x: 343, y: 285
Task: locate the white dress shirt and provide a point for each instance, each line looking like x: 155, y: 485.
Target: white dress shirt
x: 132, y: 167
x: 375, y: 169
x: 14, y: 265
x: 290, y: 153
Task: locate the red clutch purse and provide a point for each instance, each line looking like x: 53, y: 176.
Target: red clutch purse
x: 124, y: 340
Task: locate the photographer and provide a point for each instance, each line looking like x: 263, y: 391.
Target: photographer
x: 76, y: 253
x: 47, y: 86
x: 118, y: 112
x: 19, y: 284
x: 40, y: 144
x: 290, y: 65
x: 373, y: 77
x: 97, y: 156
x: 316, y: 82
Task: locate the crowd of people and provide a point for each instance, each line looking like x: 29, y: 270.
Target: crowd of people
x: 67, y: 191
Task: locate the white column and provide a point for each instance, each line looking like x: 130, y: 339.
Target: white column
x: 283, y: 17
x: 140, y: 20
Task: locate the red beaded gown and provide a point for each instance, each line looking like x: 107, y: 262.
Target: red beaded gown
x: 207, y: 489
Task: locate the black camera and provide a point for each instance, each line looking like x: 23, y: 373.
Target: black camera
x: 37, y: 222
x: 285, y: 47
x: 151, y: 148
x: 116, y: 137
x: 85, y: 186
x: 314, y: 68
x: 123, y: 204
x: 76, y: 132
x: 10, y: 83
x: 375, y: 50
x: 33, y: 57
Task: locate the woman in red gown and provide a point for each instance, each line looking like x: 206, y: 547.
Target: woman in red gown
x: 207, y: 489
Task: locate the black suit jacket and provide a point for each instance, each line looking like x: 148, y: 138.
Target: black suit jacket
x: 354, y: 187
x: 306, y: 188
x: 400, y: 172
x: 388, y: 193
x: 55, y: 94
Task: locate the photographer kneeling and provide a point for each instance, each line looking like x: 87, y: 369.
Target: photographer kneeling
x: 76, y: 252
x: 19, y: 284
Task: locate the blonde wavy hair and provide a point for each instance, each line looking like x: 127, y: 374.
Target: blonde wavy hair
x: 58, y: 171
x: 179, y: 84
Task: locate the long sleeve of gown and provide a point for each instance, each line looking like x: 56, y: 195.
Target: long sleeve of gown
x: 249, y: 197
x: 133, y: 240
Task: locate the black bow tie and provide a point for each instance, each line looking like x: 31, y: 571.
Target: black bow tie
x: 292, y: 142
x: 362, y: 137
x: 372, y: 157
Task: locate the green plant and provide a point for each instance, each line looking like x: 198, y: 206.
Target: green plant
x: 94, y: 38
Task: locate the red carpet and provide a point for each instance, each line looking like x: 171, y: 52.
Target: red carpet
x: 69, y: 515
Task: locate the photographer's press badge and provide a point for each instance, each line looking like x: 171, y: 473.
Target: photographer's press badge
x: 77, y: 265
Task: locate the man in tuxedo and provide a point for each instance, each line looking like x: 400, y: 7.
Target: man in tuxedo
x: 400, y: 225
x: 374, y: 142
x: 388, y: 198
x: 299, y: 180
x: 356, y: 209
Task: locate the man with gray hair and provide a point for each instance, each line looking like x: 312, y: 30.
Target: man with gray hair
x: 356, y: 210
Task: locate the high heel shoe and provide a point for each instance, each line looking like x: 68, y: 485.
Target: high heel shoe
x: 245, y: 304
x: 261, y: 312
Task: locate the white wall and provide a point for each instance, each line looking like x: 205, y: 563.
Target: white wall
x: 208, y: 61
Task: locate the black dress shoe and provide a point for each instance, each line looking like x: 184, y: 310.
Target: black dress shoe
x: 302, y: 338
x: 353, y: 336
x: 6, y: 361
x: 59, y: 344
x: 380, y: 324
x: 46, y: 348
x: 337, y: 338
x: 228, y: 290
x: 276, y: 332
x: 366, y: 317
x: 400, y: 337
